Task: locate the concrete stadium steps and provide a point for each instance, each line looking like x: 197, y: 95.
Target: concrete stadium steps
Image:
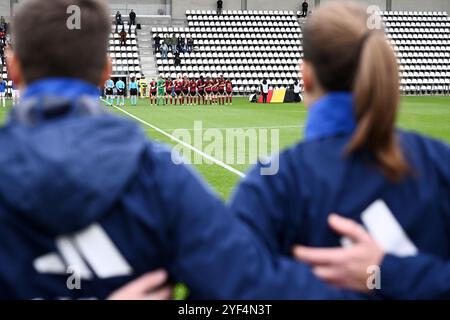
x: 145, y: 43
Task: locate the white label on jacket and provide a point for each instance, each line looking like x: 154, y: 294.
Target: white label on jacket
x: 386, y: 231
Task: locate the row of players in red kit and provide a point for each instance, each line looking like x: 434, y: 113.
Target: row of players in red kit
x: 185, y: 91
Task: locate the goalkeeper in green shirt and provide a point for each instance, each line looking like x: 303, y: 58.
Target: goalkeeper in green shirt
x: 161, y: 85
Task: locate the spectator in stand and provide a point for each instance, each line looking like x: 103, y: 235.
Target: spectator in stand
x: 157, y: 40
x: 118, y: 20
x: 185, y: 44
x: 174, y: 43
x: 219, y: 7
x: 190, y: 44
x: 179, y: 49
x: 164, y: 50
x: 177, y: 59
x: 132, y: 18
x: 181, y: 42
x: 123, y: 37
x: 304, y: 9
x: 167, y: 40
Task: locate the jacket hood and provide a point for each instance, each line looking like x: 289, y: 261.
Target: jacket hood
x: 63, y: 174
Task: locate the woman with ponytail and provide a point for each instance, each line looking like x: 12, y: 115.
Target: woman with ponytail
x: 355, y: 162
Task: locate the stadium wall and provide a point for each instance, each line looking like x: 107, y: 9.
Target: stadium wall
x: 276, y: 5
x: 5, y: 8
x: 379, y: 3
x: 143, y: 7
x: 179, y: 7
x: 428, y: 5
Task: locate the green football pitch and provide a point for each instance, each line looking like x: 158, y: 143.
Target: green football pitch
x: 427, y: 115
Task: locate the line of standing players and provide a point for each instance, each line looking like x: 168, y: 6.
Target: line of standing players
x: 185, y: 91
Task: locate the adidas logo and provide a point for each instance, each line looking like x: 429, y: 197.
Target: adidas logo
x: 91, y: 251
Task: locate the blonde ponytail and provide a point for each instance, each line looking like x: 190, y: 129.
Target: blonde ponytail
x: 376, y: 94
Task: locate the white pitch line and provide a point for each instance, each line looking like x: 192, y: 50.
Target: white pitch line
x: 204, y: 155
x: 245, y: 128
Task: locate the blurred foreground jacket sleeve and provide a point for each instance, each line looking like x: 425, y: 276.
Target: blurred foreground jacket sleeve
x: 217, y: 256
x: 423, y: 276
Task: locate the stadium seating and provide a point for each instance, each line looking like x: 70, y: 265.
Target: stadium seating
x: 422, y: 44
x: 125, y: 59
x: 245, y: 46
x: 248, y: 46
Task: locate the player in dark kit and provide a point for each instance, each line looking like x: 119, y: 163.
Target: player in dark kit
x: 178, y: 83
x: 221, y: 92
x: 186, y: 91
x: 201, y: 90
x: 169, y: 85
x: 215, y: 91
x: 208, y: 90
x: 152, y: 92
x: 229, y: 92
x: 193, y: 92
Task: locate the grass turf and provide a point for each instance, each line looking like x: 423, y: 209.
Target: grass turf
x: 427, y: 115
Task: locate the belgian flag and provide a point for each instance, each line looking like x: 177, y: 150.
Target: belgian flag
x: 280, y: 95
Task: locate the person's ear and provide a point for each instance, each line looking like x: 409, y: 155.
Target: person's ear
x: 312, y: 89
x: 107, y: 71
x: 308, y: 76
x: 14, y: 69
